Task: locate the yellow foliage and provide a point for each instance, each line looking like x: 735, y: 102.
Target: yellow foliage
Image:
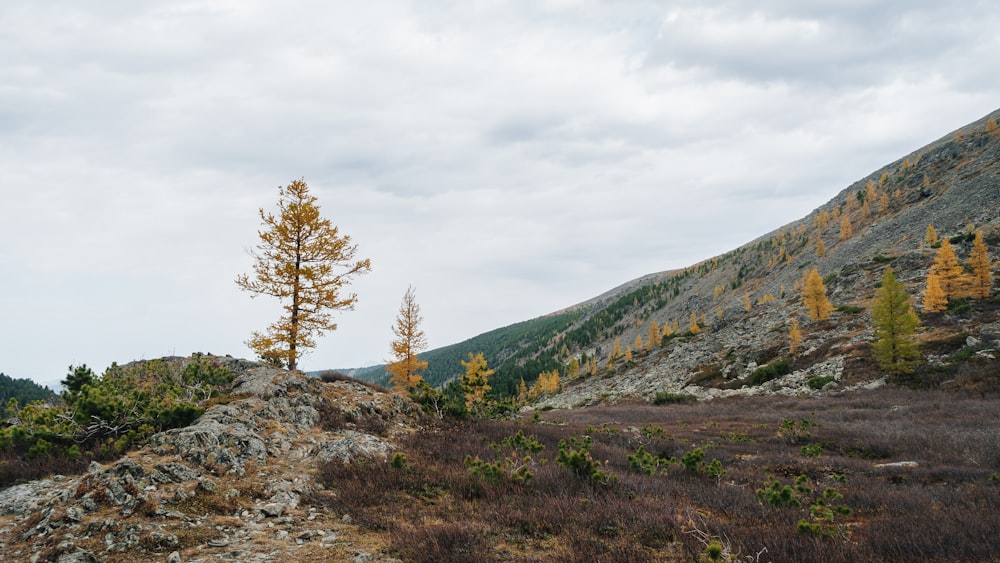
x: 794, y: 337
x: 934, y: 298
x: 883, y: 204
x: 747, y: 305
x: 950, y: 273
x: 693, y: 325
x: 654, y: 336
x: 991, y: 126
x: 814, y: 297
x: 303, y: 261
x: 931, y: 238
x: 547, y: 383
x: 820, y: 248
x: 845, y: 228
x: 982, y: 269
x: 410, y: 340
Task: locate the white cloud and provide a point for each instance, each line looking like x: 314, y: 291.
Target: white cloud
x: 508, y: 159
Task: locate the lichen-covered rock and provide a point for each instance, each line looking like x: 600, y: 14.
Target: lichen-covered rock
x: 351, y: 446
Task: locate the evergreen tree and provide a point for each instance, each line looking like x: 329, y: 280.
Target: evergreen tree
x: 895, y: 322
x: 475, y: 381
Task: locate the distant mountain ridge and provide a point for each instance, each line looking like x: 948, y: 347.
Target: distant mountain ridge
x: 952, y: 183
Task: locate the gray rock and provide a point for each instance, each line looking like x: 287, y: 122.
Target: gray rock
x: 273, y: 509
x: 353, y: 445
x: 174, y: 557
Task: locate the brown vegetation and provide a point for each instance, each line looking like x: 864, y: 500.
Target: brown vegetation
x: 432, y: 506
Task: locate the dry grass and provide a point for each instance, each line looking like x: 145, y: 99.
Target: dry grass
x: 946, y: 509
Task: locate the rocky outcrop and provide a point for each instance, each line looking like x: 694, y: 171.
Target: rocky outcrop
x: 229, y: 487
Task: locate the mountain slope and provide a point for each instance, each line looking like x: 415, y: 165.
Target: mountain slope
x: 952, y: 184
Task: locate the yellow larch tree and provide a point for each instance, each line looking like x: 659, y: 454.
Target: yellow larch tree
x: 982, y: 269
x: 845, y: 228
x: 747, y: 304
x: 820, y: 247
x: 950, y: 273
x: 638, y: 344
x: 991, y: 126
x: 814, y: 296
x: 547, y: 383
x: 934, y: 300
x: 522, y: 393
x: 410, y: 340
x: 883, y: 204
x: 653, y: 337
x: 475, y: 380
x: 931, y: 238
x: 616, y: 350
x: 822, y: 218
x: 693, y: 327
x: 303, y: 261
x: 794, y: 337
x: 573, y: 369
x: 628, y: 354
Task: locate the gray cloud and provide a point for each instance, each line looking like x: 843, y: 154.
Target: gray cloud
x: 506, y: 159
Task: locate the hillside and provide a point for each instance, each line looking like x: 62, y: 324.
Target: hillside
x: 952, y: 184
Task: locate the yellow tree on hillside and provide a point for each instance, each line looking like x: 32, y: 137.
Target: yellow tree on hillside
x: 616, y: 350
x: 814, y: 296
x: 693, y: 327
x: 638, y: 345
x: 934, y: 300
x: 820, y: 248
x: 654, y: 337
x: 304, y: 261
x: 410, y: 340
x: 982, y: 268
x: 950, y: 273
x: 794, y: 337
x: 547, y: 383
x: 845, y: 228
x: 475, y: 380
x: 931, y: 238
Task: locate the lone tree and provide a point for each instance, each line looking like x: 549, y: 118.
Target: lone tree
x: 895, y: 322
x: 305, y: 262
x: 410, y: 340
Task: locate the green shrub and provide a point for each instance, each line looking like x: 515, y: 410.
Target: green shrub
x: 770, y: 371
x: 820, y: 382
x: 665, y: 397
x: 575, y: 456
x: 648, y: 463
x: 812, y: 450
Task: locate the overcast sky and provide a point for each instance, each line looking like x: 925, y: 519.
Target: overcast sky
x: 507, y: 159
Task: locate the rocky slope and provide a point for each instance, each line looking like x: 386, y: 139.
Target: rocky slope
x: 952, y: 184
x: 233, y: 486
